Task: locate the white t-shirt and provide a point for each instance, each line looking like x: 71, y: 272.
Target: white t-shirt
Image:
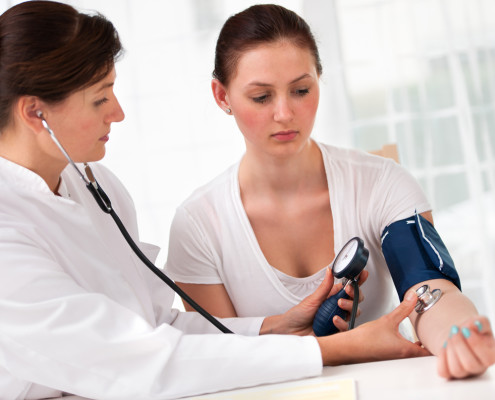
x: 212, y: 241
x: 79, y: 313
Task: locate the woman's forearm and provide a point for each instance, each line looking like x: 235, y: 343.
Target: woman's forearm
x: 434, y: 326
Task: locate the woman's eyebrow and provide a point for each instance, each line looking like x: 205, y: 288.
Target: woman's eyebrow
x: 256, y: 83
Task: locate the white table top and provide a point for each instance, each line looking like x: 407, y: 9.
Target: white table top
x: 414, y: 379
x: 409, y: 379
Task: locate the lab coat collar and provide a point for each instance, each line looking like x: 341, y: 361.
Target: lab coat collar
x: 18, y: 176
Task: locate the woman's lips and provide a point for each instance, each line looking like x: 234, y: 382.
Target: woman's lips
x: 104, y: 138
x: 285, y: 136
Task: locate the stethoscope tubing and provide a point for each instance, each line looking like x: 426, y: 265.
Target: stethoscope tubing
x: 105, y: 204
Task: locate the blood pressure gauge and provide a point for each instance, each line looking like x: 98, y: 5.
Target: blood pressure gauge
x: 351, y: 260
x: 348, y: 264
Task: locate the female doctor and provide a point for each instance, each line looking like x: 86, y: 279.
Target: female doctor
x: 258, y: 238
x: 79, y: 312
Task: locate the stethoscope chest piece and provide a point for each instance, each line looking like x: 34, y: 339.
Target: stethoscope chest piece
x: 426, y: 298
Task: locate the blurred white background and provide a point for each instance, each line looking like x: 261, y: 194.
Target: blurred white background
x: 419, y: 73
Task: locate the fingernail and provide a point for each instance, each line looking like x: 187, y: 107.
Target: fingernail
x: 454, y: 330
x: 410, y: 296
x: 466, y: 332
x: 478, y: 325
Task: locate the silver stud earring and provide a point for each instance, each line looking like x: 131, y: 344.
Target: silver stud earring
x: 228, y: 110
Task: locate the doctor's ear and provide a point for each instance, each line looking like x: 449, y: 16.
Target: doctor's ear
x: 28, y: 111
x: 220, y: 95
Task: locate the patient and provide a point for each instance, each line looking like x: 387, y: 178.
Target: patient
x: 259, y: 238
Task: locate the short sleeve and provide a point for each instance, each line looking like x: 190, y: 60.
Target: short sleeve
x: 397, y: 195
x: 191, y: 257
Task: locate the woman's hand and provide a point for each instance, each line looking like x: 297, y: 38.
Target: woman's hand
x: 346, y: 304
x: 374, y: 341
x: 469, y: 350
x: 299, y: 319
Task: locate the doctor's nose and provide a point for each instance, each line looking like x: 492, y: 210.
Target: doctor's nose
x: 117, y: 114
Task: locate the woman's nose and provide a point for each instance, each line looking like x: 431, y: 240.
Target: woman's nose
x: 283, y: 111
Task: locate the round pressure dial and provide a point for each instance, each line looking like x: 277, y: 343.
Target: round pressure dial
x: 351, y: 260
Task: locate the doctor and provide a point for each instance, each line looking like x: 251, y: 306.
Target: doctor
x: 79, y: 312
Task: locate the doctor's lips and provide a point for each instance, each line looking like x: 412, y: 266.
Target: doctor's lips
x: 285, y: 135
x: 104, y: 138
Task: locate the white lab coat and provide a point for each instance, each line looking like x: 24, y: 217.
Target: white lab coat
x: 80, y: 314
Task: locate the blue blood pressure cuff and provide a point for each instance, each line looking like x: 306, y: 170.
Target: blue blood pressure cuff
x: 415, y: 253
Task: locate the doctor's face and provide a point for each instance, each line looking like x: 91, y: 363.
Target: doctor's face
x: 274, y: 97
x: 82, y: 121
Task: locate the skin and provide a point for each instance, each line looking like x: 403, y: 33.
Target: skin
x: 273, y: 95
x: 81, y: 123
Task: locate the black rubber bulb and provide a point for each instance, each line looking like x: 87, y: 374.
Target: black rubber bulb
x: 323, y: 323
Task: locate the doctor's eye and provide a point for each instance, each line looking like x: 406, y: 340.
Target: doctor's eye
x: 100, y: 102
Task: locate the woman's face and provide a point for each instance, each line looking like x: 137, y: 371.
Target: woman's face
x: 274, y: 96
x: 82, y: 122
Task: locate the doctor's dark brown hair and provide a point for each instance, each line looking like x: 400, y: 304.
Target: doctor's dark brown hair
x: 260, y: 24
x: 50, y: 50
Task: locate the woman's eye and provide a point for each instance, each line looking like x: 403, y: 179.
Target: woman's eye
x: 100, y: 102
x: 261, y: 99
x: 301, y: 92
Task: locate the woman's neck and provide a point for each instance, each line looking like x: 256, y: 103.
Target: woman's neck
x: 282, y: 176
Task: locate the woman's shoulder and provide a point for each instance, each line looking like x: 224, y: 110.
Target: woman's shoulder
x: 215, y: 190
x: 356, y: 159
x: 209, y: 204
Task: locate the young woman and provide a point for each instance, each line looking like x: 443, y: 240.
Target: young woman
x: 258, y: 239
x: 79, y: 311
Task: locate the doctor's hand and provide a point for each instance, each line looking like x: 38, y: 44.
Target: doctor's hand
x: 299, y: 319
x: 373, y: 341
x: 469, y: 350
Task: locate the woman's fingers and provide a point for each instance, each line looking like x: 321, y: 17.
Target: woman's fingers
x: 347, y: 304
x: 324, y: 290
x: 461, y: 359
x: 363, y: 276
x: 469, y: 350
x: 340, y: 324
x: 350, y: 291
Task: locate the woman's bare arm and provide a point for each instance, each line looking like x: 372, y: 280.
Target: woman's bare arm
x: 213, y: 298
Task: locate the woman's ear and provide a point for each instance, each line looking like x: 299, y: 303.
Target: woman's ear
x: 220, y: 95
x: 27, y: 111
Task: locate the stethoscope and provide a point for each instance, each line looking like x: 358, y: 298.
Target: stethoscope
x: 348, y: 264
x: 104, y: 202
